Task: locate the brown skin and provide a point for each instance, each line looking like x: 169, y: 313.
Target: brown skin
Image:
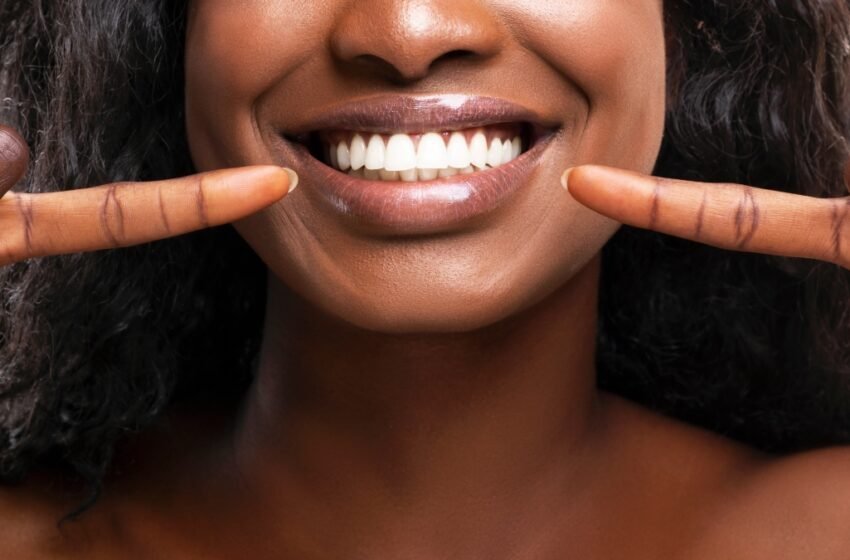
x: 432, y: 398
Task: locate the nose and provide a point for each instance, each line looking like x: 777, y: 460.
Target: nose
x: 404, y: 40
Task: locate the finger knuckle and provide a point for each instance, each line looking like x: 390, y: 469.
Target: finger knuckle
x: 163, y: 214
x: 839, y: 234
x: 659, y: 184
x: 112, y: 220
x: 201, y: 200
x: 27, y: 216
x: 747, y: 217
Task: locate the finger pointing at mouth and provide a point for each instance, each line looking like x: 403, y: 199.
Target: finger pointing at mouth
x: 729, y: 216
x: 125, y: 214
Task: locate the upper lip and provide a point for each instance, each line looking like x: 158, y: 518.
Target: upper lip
x: 388, y: 114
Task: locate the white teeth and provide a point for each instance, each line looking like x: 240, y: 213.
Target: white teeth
x: 358, y: 152
x: 375, y: 153
x: 334, y: 158
x: 401, y: 153
x: 478, y: 150
x: 432, y: 152
x: 507, y: 152
x: 343, y: 156
x: 458, y: 151
x: 428, y: 174
x: 494, y: 155
x: 402, y: 159
x: 516, y: 148
x: 409, y: 175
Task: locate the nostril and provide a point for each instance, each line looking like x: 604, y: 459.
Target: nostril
x: 454, y: 55
x: 378, y: 65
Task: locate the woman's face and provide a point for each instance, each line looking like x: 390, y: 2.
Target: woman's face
x: 425, y: 84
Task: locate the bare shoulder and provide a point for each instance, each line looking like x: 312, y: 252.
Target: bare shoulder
x: 803, y: 502
x: 742, y: 503
x: 30, y: 525
x: 146, y: 472
x: 791, y: 507
x: 24, y: 530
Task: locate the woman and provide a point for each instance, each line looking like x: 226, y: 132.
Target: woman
x: 403, y: 359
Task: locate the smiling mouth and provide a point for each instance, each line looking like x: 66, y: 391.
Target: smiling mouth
x: 399, y: 165
x: 424, y: 156
x: 399, y: 139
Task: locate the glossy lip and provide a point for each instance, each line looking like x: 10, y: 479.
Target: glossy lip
x: 387, y: 114
x: 418, y: 207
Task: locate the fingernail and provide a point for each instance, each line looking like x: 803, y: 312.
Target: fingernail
x: 565, y: 179
x: 293, y: 178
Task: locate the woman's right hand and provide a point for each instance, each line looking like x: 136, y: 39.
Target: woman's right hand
x: 123, y: 214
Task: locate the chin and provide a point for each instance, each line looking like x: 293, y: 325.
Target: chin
x: 451, y: 312
x: 436, y: 304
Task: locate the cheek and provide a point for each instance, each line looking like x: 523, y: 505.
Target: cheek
x: 614, y: 52
x: 236, y: 51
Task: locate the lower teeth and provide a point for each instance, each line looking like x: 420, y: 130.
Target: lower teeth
x: 412, y: 175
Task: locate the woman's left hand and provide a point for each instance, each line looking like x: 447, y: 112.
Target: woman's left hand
x: 725, y: 215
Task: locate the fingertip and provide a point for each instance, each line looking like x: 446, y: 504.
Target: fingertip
x: 589, y: 177
x: 565, y: 179
x: 575, y: 176
x: 283, y: 180
x: 270, y: 182
x: 293, y: 178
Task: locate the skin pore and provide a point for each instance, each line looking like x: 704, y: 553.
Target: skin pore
x: 427, y: 396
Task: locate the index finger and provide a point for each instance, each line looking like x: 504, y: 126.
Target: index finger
x: 124, y: 214
x: 725, y: 215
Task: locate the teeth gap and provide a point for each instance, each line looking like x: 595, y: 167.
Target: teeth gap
x: 422, y: 157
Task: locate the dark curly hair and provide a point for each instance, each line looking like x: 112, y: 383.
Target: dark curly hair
x: 94, y: 346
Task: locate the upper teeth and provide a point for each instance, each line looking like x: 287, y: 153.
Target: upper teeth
x: 421, y: 157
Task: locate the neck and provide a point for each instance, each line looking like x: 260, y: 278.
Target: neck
x: 436, y: 422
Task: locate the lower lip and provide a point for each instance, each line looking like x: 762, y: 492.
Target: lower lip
x: 418, y: 207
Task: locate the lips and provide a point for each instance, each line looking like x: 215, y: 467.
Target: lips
x: 417, y: 165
